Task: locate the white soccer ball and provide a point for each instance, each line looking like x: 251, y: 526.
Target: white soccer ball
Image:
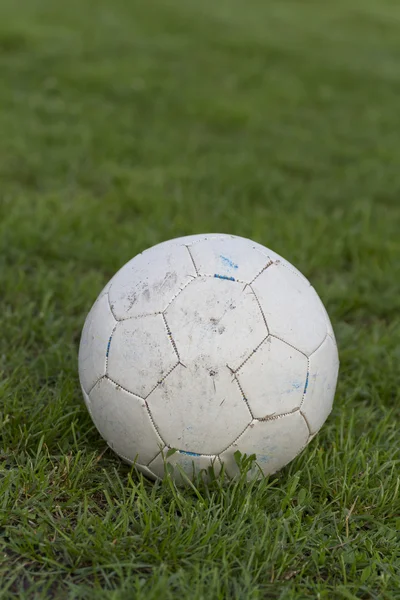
x: 208, y: 344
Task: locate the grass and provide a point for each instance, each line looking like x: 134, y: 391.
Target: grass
x: 124, y: 124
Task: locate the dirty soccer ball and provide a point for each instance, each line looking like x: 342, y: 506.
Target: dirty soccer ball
x: 207, y: 345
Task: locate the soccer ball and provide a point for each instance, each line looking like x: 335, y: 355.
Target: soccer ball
x: 208, y: 345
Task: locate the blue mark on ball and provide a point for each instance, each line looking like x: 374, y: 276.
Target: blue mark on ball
x: 263, y: 458
x: 189, y: 453
x: 108, y: 346
x: 228, y: 262
x: 224, y: 277
x: 295, y: 385
x: 306, y: 386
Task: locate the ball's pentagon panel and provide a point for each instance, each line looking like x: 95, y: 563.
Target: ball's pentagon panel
x: 124, y: 421
x: 199, y: 408
x: 140, y: 354
x: 274, y: 378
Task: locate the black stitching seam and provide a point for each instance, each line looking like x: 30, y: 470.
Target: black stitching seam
x: 287, y: 343
x: 123, y: 388
x: 192, y: 278
x: 288, y: 267
x: 171, y: 338
x: 251, y: 354
x: 321, y: 344
x: 142, y: 316
x: 236, y: 439
x: 110, y: 305
x: 108, y: 347
x: 260, y: 307
x: 207, y: 238
x: 307, y: 383
x: 284, y: 263
x: 134, y: 316
x: 271, y: 262
x: 94, y: 385
x: 243, y: 394
x: 160, y: 381
x: 192, y: 259
x: 274, y: 417
x: 310, y: 433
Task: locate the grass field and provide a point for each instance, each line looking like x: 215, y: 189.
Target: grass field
x: 126, y: 123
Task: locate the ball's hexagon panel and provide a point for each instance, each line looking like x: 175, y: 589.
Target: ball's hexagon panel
x: 274, y: 379
x: 189, y: 463
x: 96, y: 333
x: 291, y: 307
x: 146, y: 471
x: 140, y: 354
x: 275, y: 442
x: 198, y: 409
x: 124, y: 422
x: 227, y: 256
x: 318, y: 399
x: 148, y: 282
x: 216, y: 322
x: 86, y: 399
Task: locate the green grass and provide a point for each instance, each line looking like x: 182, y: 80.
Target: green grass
x: 126, y: 123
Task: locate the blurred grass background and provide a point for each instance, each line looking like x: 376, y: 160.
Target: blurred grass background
x: 125, y: 124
